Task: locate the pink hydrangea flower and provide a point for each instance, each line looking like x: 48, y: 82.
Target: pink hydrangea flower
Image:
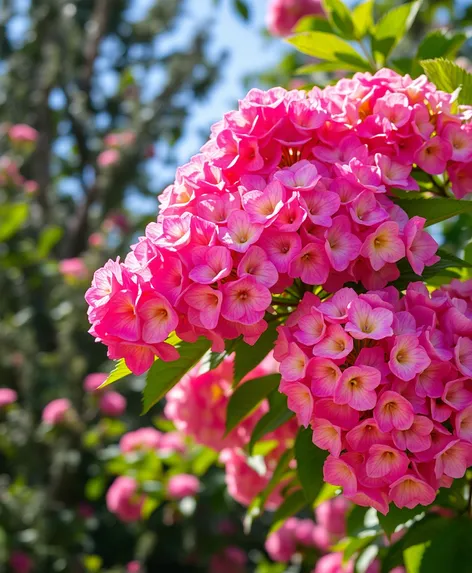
x: 182, y: 485
x: 22, y: 133
x: 56, y: 411
x: 112, y: 404
x: 21, y: 562
x: 73, y: 268
x: 7, y: 396
x: 124, y: 500
x: 285, y: 190
x: 108, y: 158
x: 133, y: 567
x: 141, y: 439
x: 381, y: 388
x: 283, y: 15
x: 93, y: 381
x: 197, y: 404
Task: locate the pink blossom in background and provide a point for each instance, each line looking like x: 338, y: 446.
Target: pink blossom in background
x: 172, y: 442
x: 56, y: 411
x: 197, y: 404
x: 124, y: 500
x: 121, y: 139
x: 21, y: 562
x: 283, y: 15
x: 7, y: 396
x: 108, y: 158
x: 10, y: 173
x: 133, y: 567
x: 74, y: 268
x: 229, y: 560
x: 333, y: 563
x: 141, y: 439
x: 31, y: 187
x: 96, y: 240
x: 182, y: 485
x: 22, y: 133
x: 94, y: 380
x: 112, y: 404
x: 292, y: 185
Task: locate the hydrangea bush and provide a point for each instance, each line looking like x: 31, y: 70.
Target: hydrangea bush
x: 295, y: 245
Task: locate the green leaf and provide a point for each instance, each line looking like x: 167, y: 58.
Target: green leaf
x: 468, y: 256
x: 391, y: 28
x: 12, y: 217
x: 248, y: 357
x: 310, y: 460
x: 407, y: 275
x: 257, y: 505
x: 119, y: 371
x: 355, y: 520
x: 413, y: 557
x: 440, y: 44
x: 275, y: 417
x: 206, y: 458
x: 420, y: 532
x: 242, y: 9
x: 247, y: 396
x: 357, y: 545
x: 434, y: 210
x: 363, y: 18
x: 95, y: 487
x: 325, y: 67
x: 327, y: 492
x: 164, y: 375
x: 396, y: 517
x: 292, y: 504
x: 340, y: 17
x: 449, y: 550
x: 328, y: 47
x: 448, y: 76
x: 313, y: 24
x: 452, y: 260
x: 48, y: 239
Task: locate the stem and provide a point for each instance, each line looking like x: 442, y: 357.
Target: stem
x: 469, y: 500
x: 368, y: 55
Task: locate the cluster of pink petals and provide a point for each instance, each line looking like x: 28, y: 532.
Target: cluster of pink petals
x: 93, y: 381
x: 197, y: 404
x: 182, y: 485
x: 56, y: 411
x: 74, y: 268
x: 283, y: 15
x: 142, y: 439
x: 114, y: 142
x: 292, y: 185
x: 297, y: 535
x: 124, y: 499
x: 385, y: 383
x: 22, y: 133
x: 112, y: 404
x: 244, y: 482
x: 7, y: 396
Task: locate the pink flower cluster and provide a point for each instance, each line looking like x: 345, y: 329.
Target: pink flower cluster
x: 283, y: 15
x: 57, y: 411
x: 293, y: 186
x: 297, y: 535
x: 385, y: 384
x: 110, y: 403
x: 124, y: 499
x: 197, y: 404
x: 114, y: 143
x: 7, y: 397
